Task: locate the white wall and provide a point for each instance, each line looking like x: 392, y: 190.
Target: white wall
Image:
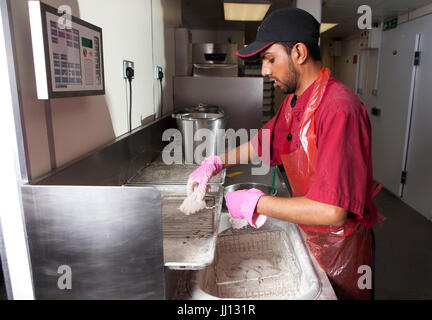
x: 127, y: 35
x: 82, y: 124
x: 368, y: 80
x: 166, y: 17
x: 344, y: 68
x: 314, y: 7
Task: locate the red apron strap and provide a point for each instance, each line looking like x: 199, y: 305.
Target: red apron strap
x: 376, y: 188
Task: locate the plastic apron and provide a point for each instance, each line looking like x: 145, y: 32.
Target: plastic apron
x: 339, y: 250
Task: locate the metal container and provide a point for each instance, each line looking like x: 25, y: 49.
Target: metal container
x: 189, y: 241
x: 248, y: 185
x: 193, y: 126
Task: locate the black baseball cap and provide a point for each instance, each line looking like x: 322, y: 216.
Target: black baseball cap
x: 283, y: 25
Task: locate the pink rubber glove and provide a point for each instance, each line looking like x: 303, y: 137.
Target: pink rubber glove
x: 200, y: 177
x: 242, y: 204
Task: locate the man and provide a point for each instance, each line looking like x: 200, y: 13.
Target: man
x: 322, y: 136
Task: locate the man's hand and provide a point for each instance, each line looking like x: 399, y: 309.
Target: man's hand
x: 242, y: 204
x: 200, y: 177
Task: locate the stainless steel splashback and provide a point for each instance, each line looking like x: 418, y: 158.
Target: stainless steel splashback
x: 214, y: 53
x: 215, y: 60
x: 110, y: 238
x: 115, y: 163
x: 215, y: 70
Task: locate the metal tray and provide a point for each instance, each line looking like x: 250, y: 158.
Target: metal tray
x: 191, y: 245
x: 289, y: 275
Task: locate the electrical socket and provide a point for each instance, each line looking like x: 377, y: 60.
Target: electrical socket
x: 127, y: 64
x: 158, y: 71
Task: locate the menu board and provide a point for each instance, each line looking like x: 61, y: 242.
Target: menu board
x: 74, y: 56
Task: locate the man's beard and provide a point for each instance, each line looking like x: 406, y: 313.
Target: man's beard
x: 290, y: 86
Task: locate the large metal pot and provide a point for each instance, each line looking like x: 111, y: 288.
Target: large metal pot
x: 193, y: 125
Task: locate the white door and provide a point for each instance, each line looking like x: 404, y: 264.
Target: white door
x: 389, y: 128
x: 418, y: 189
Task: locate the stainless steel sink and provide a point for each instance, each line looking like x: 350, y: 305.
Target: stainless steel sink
x: 269, y: 263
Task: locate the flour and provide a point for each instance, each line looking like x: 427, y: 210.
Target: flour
x: 193, y: 203
x: 238, y: 223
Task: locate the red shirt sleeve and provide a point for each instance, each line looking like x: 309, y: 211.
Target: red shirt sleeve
x: 343, y: 158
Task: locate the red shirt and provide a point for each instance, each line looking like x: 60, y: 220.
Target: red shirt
x: 343, y: 170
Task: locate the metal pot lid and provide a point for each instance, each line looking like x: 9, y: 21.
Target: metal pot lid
x: 198, y: 116
x: 202, y: 107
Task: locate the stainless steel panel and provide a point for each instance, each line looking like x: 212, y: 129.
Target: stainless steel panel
x: 115, y: 163
x: 183, y: 52
x: 240, y: 98
x: 110, y: 237
x: 215, y: 53
x: 215, y: 70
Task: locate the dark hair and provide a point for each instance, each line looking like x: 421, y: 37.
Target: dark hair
x: 313, y: 48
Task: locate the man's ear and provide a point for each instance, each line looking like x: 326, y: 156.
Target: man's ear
x: 300, y: 53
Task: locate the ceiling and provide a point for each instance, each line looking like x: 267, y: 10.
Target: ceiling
x: 345, y: 13
x: 208, y: 14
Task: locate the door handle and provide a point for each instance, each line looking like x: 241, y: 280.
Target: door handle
x: 376, y: 111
